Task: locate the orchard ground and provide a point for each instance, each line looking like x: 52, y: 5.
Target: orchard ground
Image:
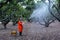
x: 31, y: 31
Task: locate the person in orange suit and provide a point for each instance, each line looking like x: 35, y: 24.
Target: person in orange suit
x: 20, y: 27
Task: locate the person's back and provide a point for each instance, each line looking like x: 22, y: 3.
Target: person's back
x: 20, y: 27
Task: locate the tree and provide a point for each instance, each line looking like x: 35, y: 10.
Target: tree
x: 47, y: 21
x: 51, y: 12
x: 13, y: 9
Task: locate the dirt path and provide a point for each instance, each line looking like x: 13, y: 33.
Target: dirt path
x: 32, y: 31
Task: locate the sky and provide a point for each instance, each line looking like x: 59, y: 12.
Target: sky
x: 36, y: 1
x: 0, y: 0
x: 39, y: 0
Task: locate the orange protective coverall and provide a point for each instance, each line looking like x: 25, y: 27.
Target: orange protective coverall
x: 20, y: 26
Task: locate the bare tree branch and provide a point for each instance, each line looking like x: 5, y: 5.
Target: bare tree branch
x: 41, y: 23
x: 51, y: 12
x: 51, y: 21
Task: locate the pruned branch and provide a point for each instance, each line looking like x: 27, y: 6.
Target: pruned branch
x: 41, y: 24
x: 51, y: 21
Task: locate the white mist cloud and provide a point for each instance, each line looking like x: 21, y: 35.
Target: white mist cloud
x: 41, y: 12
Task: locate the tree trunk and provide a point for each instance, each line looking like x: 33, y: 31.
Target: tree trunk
x: 4, y: 26
x: 46, y: 24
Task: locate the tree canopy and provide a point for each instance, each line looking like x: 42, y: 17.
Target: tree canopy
x: 14, y: 9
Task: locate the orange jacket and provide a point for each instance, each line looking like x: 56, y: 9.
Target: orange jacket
x: 20, y: 26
